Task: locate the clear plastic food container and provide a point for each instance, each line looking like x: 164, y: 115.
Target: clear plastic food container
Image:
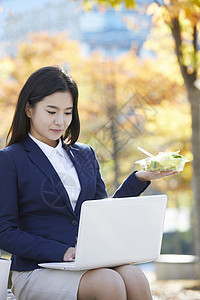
x: 164, y: 161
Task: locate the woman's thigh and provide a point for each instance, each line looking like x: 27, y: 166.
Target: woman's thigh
x: 46, y: 284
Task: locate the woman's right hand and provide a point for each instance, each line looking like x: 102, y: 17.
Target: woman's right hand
x: 69, y: 254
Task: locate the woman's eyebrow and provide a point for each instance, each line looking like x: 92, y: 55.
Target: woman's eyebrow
x: 55, y: 107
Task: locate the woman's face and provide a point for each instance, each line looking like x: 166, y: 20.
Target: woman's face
x: 50, y: 117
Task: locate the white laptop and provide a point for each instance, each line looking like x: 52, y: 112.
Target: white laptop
x: 117, y: 231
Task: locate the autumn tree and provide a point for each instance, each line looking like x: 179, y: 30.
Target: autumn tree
x: 182, y: 19
x: 135, y: 96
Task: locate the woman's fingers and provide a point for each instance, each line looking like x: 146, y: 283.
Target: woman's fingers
x: 69, y: 254
x: 152, y: 175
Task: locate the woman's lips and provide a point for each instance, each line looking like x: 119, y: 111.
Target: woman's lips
x: 56, y: 130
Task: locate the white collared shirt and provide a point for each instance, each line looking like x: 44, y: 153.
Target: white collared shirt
x: 64, y: 167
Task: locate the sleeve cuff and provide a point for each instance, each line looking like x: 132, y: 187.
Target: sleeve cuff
x: 131, y: 187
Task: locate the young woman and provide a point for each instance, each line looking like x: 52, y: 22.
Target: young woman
x: 45, y: 176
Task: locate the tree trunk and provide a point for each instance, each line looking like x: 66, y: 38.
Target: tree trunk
x: 115, y: 144
x: 194, y: 98
x: 112, y: 113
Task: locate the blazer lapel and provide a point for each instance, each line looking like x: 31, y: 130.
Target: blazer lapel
x: 39, y: 158
x: 81, y: 167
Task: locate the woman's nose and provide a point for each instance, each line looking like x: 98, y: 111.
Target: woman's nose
x: 59, y: 119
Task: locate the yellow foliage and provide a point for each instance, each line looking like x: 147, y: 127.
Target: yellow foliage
x: 143, y: 100
x: 129, y: 4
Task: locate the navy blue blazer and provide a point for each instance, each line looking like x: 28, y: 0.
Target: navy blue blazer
x: 37, y: 222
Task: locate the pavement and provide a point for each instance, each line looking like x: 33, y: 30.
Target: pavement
x: 185, y: 289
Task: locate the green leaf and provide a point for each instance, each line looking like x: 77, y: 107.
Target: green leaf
x: 154, y: 164
x: 176, y: 156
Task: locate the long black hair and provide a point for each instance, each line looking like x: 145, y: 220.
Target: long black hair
x: 42, y: 83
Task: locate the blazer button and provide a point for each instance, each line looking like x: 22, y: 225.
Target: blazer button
x: 74, y: 222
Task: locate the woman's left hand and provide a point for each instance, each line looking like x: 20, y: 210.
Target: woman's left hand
x: 152, y: 175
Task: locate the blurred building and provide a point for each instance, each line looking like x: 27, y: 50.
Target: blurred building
x: 111, y: 31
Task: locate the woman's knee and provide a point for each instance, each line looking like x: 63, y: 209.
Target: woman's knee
x: 132, y: 272
x: 137, y: 285
x: 102, y: 284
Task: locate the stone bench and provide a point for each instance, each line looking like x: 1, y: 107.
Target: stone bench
x: 176, y: 266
